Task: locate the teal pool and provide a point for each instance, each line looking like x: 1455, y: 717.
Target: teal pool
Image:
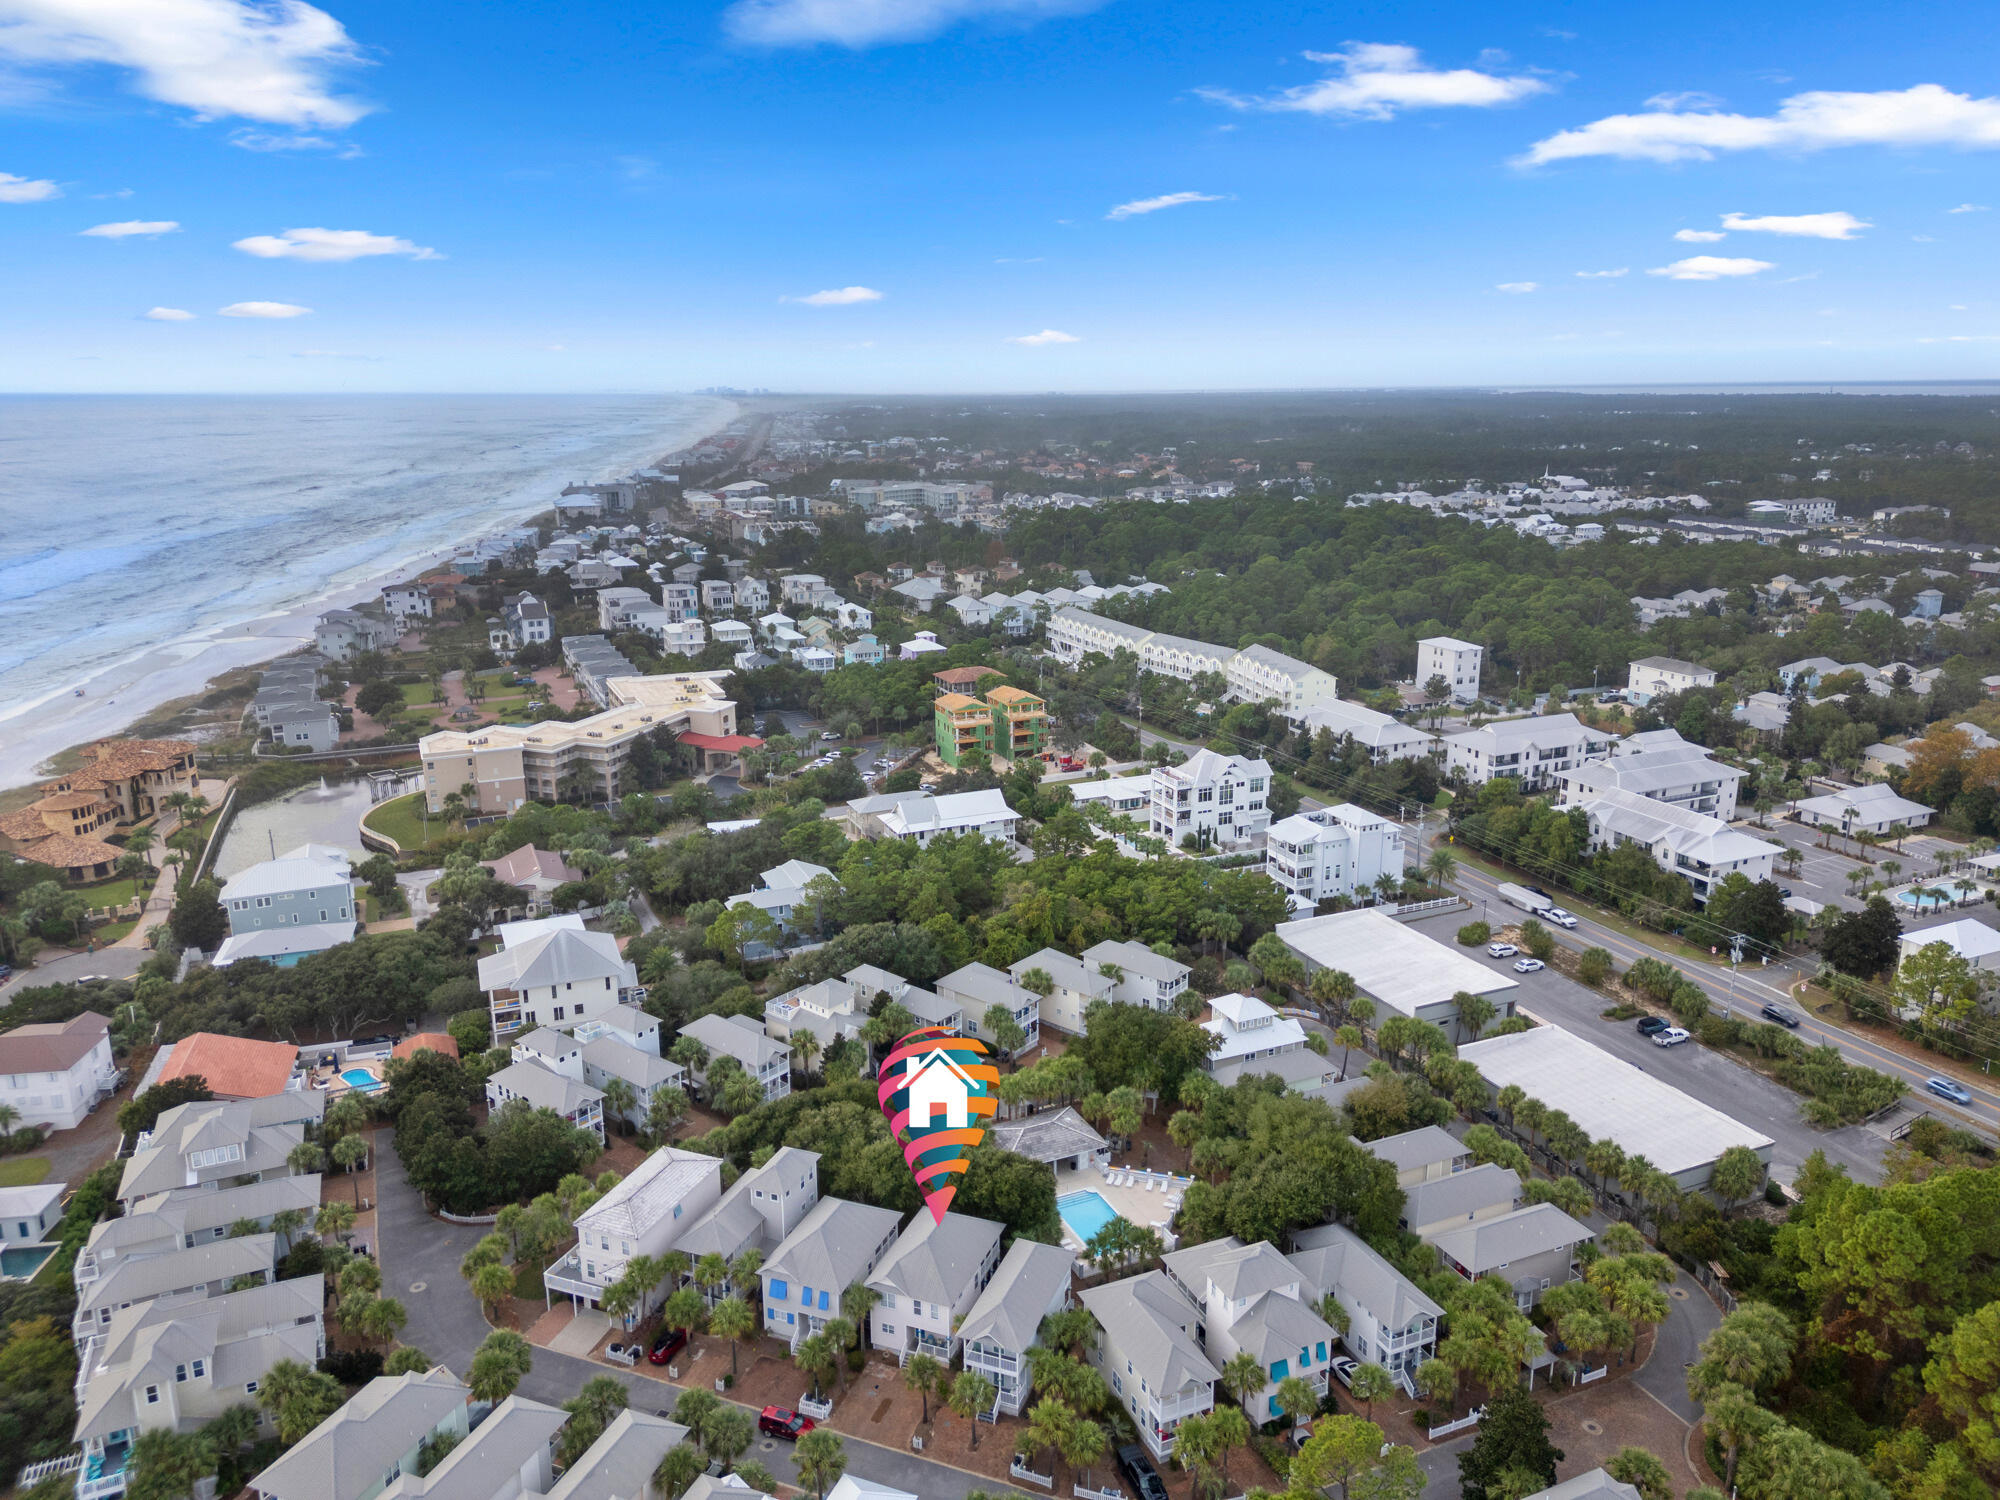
x: 19, y: 1262
x: 1085, y: 1213
x: 1921, y: 903
x: 362, y: 1079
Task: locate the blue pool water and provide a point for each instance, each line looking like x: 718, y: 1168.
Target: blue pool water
x: 19, y: 1262
x: 361, y: 1078
x: 1085, y: 1213
x: 1922, y: 903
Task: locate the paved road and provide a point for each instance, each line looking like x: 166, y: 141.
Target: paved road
x: 419, y: 1257
x: 1742, y: 992
x: 113, y: 962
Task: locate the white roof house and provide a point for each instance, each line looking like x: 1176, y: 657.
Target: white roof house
x: 1663, y: 767
x: 837, y: 1244
x: 1005, y: 1322
x: 1401, y: 967
x: 766, y: 1061
x: 644, y: 1214
x: 929, y: 1280
x: 380, y: 1430
x: 1971, y: 940
x: 1701, y: 849
x: 1391, y: 1322
x: 1875, y: 808
x: 1611, y: 1099
x: 1249, y: 1028
x: 1385, y: 737
x: 1533, y: 751
x: 1147, y: 1351
x: 552, y: 972
x: 921, y: 817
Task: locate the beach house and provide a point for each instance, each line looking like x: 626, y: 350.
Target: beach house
x: 551, y: 972
x: 1147, y: 1351
x: 643, y: 1215
x: 1005, y: 1321
x: 53, y: 1073
x: 283, y: 909
x: 768, y: 1063
x: 929, y: 1281
x: 1250, y: 1299
x: 837, y: 1244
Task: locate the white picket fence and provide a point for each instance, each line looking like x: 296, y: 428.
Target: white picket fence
x: 819, y: 1411
x: 1028, y: 1476
x: 1470, y: 1419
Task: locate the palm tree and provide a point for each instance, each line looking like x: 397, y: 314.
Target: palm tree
x: 710, y: 1273
x: 1372, y: 1383
x: 499, y: 1364
x: 1297, y: 1399
x: 841, y: 1333
x: 816, y: 1357
x: 925, y: 1376
x: 1049, y: 1421
x: 971, y: 1394
x: 805, y: 1047
x: 165, y: 1464
x: 336, y: 1219
x: 734, y: 1321
x: 821, y: 1458
x: 305, y: 1158
x: 1083, y: 1445
x: 728, y: 1434
x: 351, y: 1151
x: 1243, y: 1374
x: 233, y: 1430
x: 1198, y: 1445
x: 1441, y: 865
x: 679, y: 1468
x: 620, y: 1100
x: 1232, y: 1430
x: 1332, y: 990
x: 493, y: 1285
x: 856, y: 1303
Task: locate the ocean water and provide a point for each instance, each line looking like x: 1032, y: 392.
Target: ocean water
x: 149, y: 542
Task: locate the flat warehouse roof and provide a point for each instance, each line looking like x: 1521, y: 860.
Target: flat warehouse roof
x: 1390, y: 960
x: 1610, y: 1098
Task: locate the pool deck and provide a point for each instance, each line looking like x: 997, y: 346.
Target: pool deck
x: 1145, y: 1207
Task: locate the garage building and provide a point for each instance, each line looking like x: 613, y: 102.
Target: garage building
x: 1396, y: 965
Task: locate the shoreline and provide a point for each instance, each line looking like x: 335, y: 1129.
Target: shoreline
x: 181, y: 671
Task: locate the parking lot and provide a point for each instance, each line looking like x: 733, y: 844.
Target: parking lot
x: 1823, y: 873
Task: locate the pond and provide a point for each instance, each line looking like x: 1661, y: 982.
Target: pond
x: 329, y: 813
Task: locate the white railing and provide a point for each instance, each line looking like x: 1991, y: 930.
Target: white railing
x: 819, y: 1411
x: 1597, y: 1374
x: 1026, y: 1475
x: 1083, y: 1493
x: 34, y: 1474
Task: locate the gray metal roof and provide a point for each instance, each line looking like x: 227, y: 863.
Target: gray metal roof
x: 935, y: 1260
x: 620, y: 1464
x: 1417, y: 1148
x: 482, y: 1465
x: 835, y: 1245
x: 1333, y: 1258
x: 1149, y: 1322
x: 1048, y: 1136
x: 346, y: 1456
x: 1488, y: 1243
x: 1460, y: 1195
x: 1591, y: 1484
x: 1135, y: 958
x: 1009, y: 1312
x: 544, y: 1089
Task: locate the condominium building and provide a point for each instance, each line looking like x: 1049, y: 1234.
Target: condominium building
x: 1254, y: 674
x: 1333, y: 851
x: 1662, y: 766
x: 1211, y: 799
x: 1257, y: 674
x: 1456, y: 661
x: 1702, y: 850
x: 1383, y: 736
x: 1535, y: 752
x: 508, y: 765
x: 1651, y: 676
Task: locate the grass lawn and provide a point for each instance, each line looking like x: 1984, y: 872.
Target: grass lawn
x: 418, y: 695
x: 111, y: 932
x: 118, y: 892
x: 528, y: 1278
x: 402, y: 819
x: 23, y: 1171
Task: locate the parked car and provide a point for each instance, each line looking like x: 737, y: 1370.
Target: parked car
x: 1946, y: 1088
x: 829, y: 734
x: 1560, y: 917
x: 1501, y: 950
x: 1652, y: 1025
x: 379, y: 1039
x: 622, y: 1354
x: 1137, y: 1466
x: 670, y: 1342
x: 781, y: 1421
x: 1529, y: 966
x: 1343, y: 1369
x: 1782, y: 1016
x: 1673, y: 1036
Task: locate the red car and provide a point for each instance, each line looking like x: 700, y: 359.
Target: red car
x: 670, y: 1342
x: 779, y: 1422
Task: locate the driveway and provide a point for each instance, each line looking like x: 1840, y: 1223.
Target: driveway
x: 113, y: 963
x: 419, y: 1256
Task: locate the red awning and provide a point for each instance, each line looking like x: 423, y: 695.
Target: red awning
x: 730, y: 742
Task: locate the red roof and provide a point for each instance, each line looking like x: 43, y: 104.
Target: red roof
x: 234, y: 1066
x: 426, y: 1041
x: 722, y: 741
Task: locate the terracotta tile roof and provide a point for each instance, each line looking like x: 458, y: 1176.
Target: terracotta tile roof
x: 234, y: 1067
x: 426, y: 1041
x: 49, y: 1046
x: 62, y: 852
x: 25, y: 824
x: 957, y: 676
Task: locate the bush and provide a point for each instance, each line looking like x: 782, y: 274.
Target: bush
x: 1595, y: 967
x: 1537, y: 939
x: 856, y: 1359
x: 1472, y: 934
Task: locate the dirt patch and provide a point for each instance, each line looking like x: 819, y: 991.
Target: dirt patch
x: 1622, y: 1415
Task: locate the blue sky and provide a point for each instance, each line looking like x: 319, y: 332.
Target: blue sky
x: 959, y: 195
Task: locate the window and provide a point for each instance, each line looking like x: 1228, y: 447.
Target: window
x: 152, y: 1395
x: 200, y: 1368
x: 180, y: 1374
x: 779, y: 1291
x: 250, y: 1389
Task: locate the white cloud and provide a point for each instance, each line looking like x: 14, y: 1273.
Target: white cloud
x: 1166, y: 200
x: 1603, y: 275
x: 868, y: 23
x: 1376, y: 80
x: 170, y: 315
x: 1834, y: 226
x: 839, y: 296
x: 1517, y: 288
x: 1969, y: 208
x: 1711, y: 267
x: 1046, y: 336
x: 263, y: 140
x: 263, y: 310
x: 24, y: 189
x: 1684, y: 99
x: 1698, y: 236
x: 331, y: 245
x: 131, y: 228
x: 269, y: 60
x: 1926, y: 115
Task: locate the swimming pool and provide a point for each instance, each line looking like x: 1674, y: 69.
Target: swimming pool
x: 1921, y: 903
x: 1085, y: 1213
x: 362, y: 1079
x: 20, y: 1262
